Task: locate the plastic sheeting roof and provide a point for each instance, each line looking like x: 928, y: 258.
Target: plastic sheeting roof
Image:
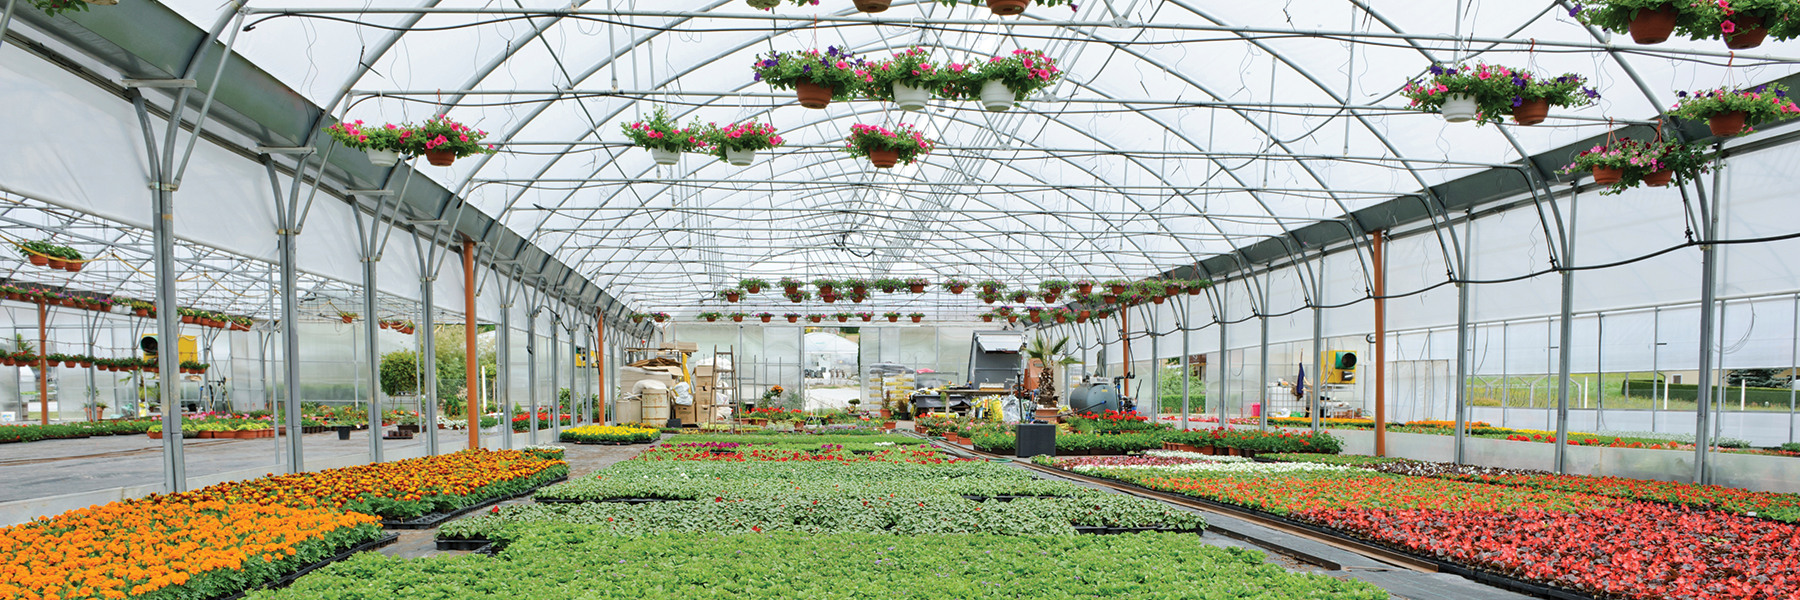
x: 1185, y: 129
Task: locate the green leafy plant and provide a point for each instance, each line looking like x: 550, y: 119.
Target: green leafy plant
x: 752, y: 283
x: 709, y: 316
x: 751, y: 136
x: 887, y: 285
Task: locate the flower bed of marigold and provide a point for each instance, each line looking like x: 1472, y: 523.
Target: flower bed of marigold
x: 608, y: 434
x: 400, y: 489
x: 1572, y: 535
x: 234, y: 536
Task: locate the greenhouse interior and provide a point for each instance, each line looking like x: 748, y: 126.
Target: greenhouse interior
x: 899, y: 298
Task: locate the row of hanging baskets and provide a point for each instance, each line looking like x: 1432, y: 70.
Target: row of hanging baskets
x: 441, y: 140
x: 735, y: 143
x: 1486, y: 93
x: 1742, y: 24
x: 892, y: 317
x: 1623, y: 163
x: 1003, y: 8
x: 909, y: 79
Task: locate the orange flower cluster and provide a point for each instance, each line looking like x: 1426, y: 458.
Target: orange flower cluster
x: 134, y: 547
x: 403, y: 488
x: 218, y: 540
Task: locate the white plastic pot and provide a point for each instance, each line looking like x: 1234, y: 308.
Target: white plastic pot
x: 996, y: 97
x: 1459, y: 108
x: 910, y: 98
x: 383, y: 158
x: 740, y: 158
x: 665, y: 157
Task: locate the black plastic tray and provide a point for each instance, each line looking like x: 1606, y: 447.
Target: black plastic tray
x: 463, y: 544
x: 614, y: 500
x: 384, y: 540
x: 1007, y: 498
x: 1117, y: 530
x: 433, y: 520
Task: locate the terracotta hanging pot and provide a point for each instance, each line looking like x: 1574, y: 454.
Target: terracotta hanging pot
x: 1659, y: 178
x: 873, y: 6
x: 39, y: 260
x: 843, y: 319
x: 917, y: 319
x: 813, y: 95
x: 916, y: 288
x: 1156, y: 299
x: 1749, y: 32
x: 57, y: 263
x: 867, y: 318
x: 440, y: 158
x: 1012, y: 318
x: 957, y: 289
x: 754, y: 289
x: 815, y: 318
x: 737, y: 318
x: 987, y: 318
x: 347, y: 318
x: 1608, y: 175
x: 884, y: 158
x: 73, y: 266
x: 828, y: 298
x: 1653, y: 25
x: 1006, y: 8
x: 893, y: 319
x: 1110, y: 299
x: 765, y: 318
x: 793, y: 319
x: 1726, y: 124
x: 711, y: 319
x: 1085, y: 288
x: 1531, y: 112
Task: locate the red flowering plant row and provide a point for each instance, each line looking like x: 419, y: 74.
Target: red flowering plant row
x: 1634, y: 551
x: 1608, y: 547
x: 1111, y: 420
x: 1768, y: 505
x: 706, y: 454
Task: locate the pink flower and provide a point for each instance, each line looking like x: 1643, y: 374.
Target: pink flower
x: 1727, y: 27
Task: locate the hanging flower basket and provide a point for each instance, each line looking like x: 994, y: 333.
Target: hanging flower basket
x: 1006, y: 8
x: 917, y: 286
x: 873, y: 6
x: 1621, y: 164
x: 663, y: 137
x: 1488, y: 93
x: 1735, y: 112
x: 956, y: 286
x: 816, y: 78
x: 1742, y: 24
x: 737, y: 317
x: 886, y: 147
x: 908, y: 79
x: 866, y: 317
x: 442, y: 140
x: 892, y: 317
x: 1743, y: 32
x: 917, y: 317
x: 793, y: 318
x: 752, y: 286
x: 738, y: 143
x: 1007, y: 80
x: 765, y: 317
x: 815, y: 318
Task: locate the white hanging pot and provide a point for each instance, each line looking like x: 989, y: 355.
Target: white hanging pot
x: 383, y: 158
x: 910, y: 98
x: 740, y: 158
x: 1459, y: 108
x: 995, y: 96
x: 665, y: 157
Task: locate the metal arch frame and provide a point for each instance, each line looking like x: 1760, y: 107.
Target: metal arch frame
x: 1254, y: 123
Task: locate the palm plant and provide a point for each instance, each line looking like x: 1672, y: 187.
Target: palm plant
x: 1048, y: 353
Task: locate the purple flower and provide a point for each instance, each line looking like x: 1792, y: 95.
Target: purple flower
x: 1517, y: 101
x: 1437, y: 70
x: 1575, y: 10
x: 1681, y: 94
x: 1590, y: 92
x: 759, y: 76
x: 1780, y: 93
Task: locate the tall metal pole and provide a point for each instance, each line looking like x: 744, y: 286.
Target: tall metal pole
x: 1463, y: 290
x: 1224, y: 357
x: 1379, y: 285
x: 1567, y: 334
x: 575, y: 391
x: 531, y: 378
x: 43, y: 367
x: 1709, y: 267
x: 802, y: 364
x: 428, y: 356
x: 503, y: 370
x: 1262, y: 420
x: 556, y: 409
x: 1187, y: 368
x: 290, y: 338
x: 1318, y: 346
x: 600, y: 362
x: 371, y: 328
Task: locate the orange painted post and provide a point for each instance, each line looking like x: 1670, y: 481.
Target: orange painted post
x: 44, y: 368
x: 1379, y: 286
x: 471, y: 360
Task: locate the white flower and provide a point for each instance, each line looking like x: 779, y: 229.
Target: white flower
x: 1224, y: 467
x: 1194, y: 456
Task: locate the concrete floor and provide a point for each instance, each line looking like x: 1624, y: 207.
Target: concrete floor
x: 61, y: 467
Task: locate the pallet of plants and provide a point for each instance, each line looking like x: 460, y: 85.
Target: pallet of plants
x: 20, y: 433
x: 609, y: 435
x: 1603, y: 546
x: 1489, y: 93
